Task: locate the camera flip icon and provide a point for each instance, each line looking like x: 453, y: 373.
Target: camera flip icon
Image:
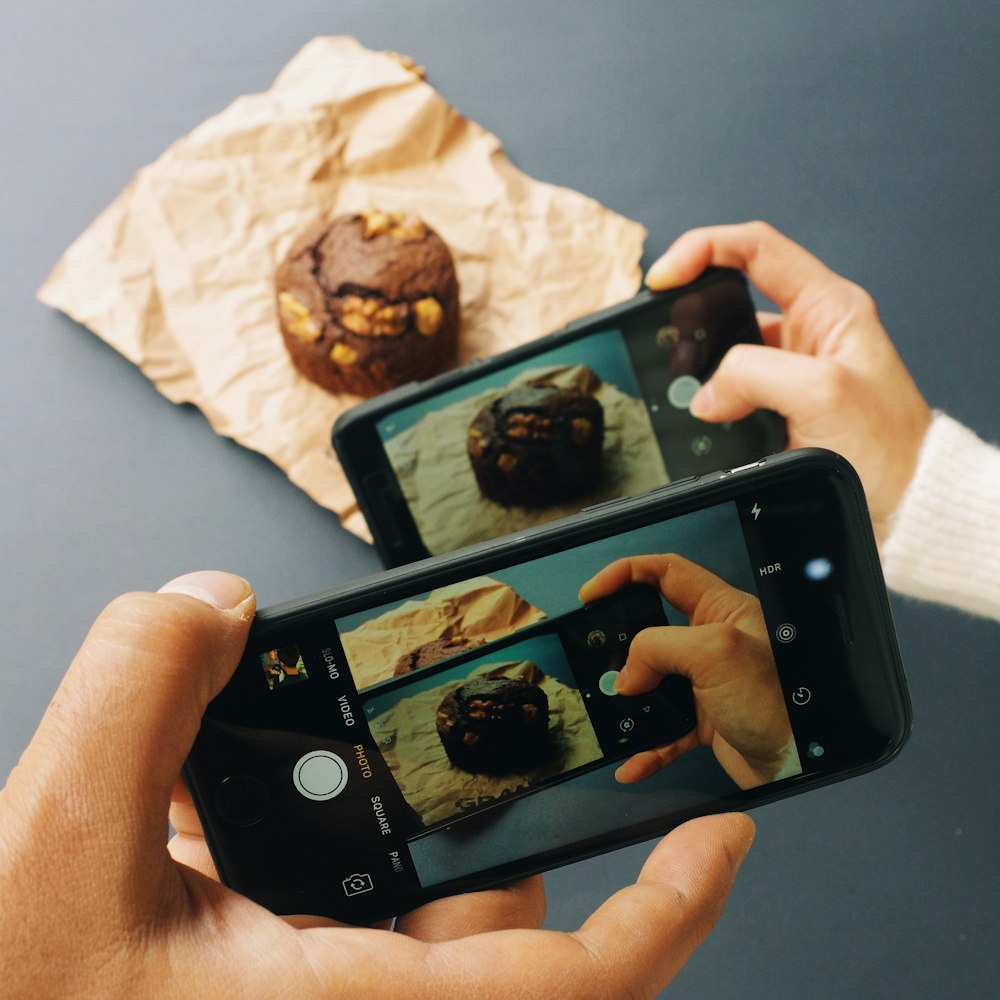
x: 357, y: 883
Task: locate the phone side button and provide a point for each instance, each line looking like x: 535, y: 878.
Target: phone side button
x: 242, y: 799
x: 740, y: 468
x: 674, y: 484
x: 602, y: 505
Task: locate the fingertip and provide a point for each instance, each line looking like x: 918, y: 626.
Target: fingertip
x: 606, y: 580
x: 733, y: 834
x: 744, y: 831
x: 707, y: 851
x: 636, y: 769
x: 595, y: 588
x: 662, y: 274
x: 682, y: 261
x: 703, y: 402
x: 224, y: 591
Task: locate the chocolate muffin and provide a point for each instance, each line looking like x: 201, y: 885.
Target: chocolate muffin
x: 368, y: 301
x: 537, y: 445
x: 495, y: 725
x: 435, y: 650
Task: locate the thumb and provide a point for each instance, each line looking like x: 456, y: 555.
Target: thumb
x: 112, y: 742
x: 650, y: 929
x: 752, y: 377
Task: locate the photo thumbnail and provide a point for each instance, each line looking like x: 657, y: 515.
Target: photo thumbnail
x: 283, y: 667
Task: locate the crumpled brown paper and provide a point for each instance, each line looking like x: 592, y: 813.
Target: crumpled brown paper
x: 177, y: 273
x: 480, y: 608
x: 435, y: 787
x: 442, y: 493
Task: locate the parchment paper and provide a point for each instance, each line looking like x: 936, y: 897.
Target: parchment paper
x: 436, y: 477
x: 435, y: 787
x: 177, y: 273
x: 478, y: 608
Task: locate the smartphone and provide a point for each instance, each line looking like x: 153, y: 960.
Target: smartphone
x: 596, y: 411
x: 326, y: 773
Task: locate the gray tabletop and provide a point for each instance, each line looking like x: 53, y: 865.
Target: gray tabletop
x: 869, y: 132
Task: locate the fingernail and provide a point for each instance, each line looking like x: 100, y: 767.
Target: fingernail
x: 703, y: 401
x: 619, y: 680
x: 224, y: 591
x: 661, y: 274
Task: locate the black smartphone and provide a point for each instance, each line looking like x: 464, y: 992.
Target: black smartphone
x: 454, y: 724
x: 593, y: 412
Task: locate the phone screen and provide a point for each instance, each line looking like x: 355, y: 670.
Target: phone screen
x: 360, y: 752
x: 507, y: 449
x: 517, y: 714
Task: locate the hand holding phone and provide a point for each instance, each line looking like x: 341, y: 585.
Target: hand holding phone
x: 724, y: 651
x: 826, y: 364
x: 93, y: 905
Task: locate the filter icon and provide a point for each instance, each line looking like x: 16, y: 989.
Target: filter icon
x: 785, y: 632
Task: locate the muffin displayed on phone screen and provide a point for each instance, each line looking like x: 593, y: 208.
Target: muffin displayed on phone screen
x: 434, y: 651
x: 368, y: 301
x: 537, y: 445
x: 495, y: 725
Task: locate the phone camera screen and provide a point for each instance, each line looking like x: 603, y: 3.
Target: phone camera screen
x: 603, y: 416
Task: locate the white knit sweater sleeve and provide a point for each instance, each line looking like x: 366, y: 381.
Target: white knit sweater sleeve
x: 944, y: 543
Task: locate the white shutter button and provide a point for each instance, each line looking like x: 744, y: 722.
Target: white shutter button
x: 320, y: 775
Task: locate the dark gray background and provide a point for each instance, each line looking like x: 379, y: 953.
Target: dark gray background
x: 867, y: 131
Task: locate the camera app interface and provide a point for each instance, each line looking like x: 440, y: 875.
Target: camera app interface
x: 602, y: 417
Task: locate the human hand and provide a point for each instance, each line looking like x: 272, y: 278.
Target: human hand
x: 95, y: 903
x: 724, y: 652
x: 837, y: 379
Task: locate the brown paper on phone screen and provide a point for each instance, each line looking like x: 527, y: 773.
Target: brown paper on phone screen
x: 177, y: 273
x: 481, y: 609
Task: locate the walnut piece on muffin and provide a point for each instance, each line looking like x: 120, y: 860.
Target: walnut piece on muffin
x: 368, y: 301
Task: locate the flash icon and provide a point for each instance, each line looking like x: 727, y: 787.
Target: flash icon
x: 755, y: 510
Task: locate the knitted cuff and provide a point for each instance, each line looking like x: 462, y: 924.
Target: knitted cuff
x: 944, y: 543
